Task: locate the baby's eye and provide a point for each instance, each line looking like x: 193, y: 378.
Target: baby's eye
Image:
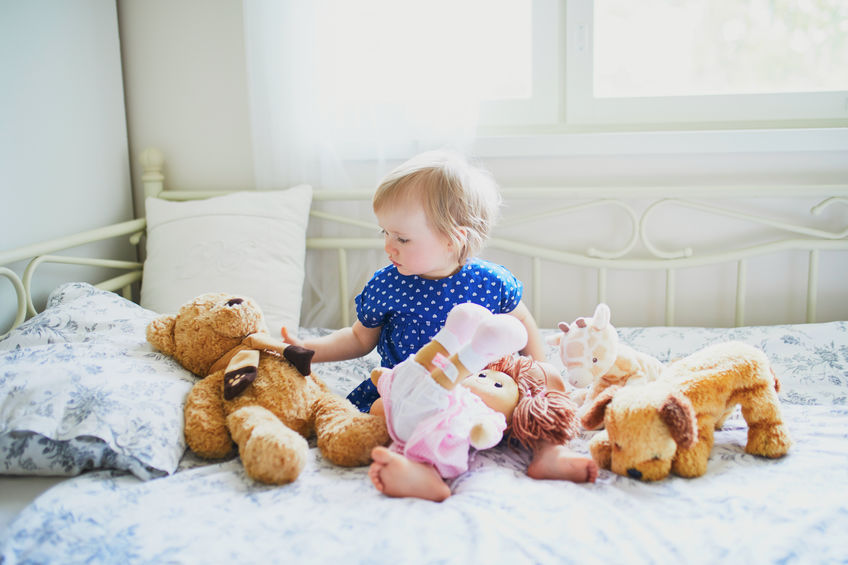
x: 402, y: 240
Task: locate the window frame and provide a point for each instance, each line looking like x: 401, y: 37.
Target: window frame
x: 582, y: 108
x: 543, y: 106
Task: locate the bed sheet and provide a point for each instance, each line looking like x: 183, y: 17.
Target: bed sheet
x: 744, y: 509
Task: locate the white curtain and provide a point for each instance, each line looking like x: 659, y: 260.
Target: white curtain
x: 341, y: 90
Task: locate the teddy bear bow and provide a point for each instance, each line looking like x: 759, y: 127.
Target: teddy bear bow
x: 242, y: 361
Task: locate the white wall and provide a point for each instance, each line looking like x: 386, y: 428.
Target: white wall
x: 186, y: 90
x: 63, y: 140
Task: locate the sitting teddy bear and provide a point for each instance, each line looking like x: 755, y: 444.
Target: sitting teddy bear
x: 667, y: 425
x: 258, y: 392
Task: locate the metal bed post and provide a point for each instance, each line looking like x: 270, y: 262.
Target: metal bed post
x: 812, y: 285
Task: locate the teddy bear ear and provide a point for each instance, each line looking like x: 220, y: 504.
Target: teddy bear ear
x: 679, y: 415
x: 160, y: 333
x: 593, y: 417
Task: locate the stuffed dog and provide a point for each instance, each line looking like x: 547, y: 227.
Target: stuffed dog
x: 667, y: 425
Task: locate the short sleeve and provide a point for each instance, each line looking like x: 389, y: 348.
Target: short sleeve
x: 512, y: 291
x: 371, y: 310
x: 507, y: 289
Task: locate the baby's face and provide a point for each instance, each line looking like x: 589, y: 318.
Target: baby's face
x: 412, y: 245
x: 497, y: 390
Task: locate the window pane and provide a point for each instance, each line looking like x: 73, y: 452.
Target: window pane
x: 389, y: 50
x: 700, y: 47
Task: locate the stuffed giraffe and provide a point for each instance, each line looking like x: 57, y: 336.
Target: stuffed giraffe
x: 595, y: 360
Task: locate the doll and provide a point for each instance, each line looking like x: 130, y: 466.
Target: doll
x: 434, y: 422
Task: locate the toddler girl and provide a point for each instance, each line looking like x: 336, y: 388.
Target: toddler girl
x: 435, y: 212
x: 439, y: 404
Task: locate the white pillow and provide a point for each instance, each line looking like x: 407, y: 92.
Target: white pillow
x: 247, y: 243
x: 80, y: 389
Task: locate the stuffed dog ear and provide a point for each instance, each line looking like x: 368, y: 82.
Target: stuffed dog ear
x: 160, y: 333
x: 678, y: 414
x: 593, y: 417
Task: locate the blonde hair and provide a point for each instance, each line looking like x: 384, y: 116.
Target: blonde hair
x: 455, y: 195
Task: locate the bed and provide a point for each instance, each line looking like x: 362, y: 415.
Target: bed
x: 95, y: 467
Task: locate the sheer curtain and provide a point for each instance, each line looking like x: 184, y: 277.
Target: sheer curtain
x: 339, y: 86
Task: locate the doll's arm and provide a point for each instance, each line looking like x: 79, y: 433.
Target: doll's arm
x: 485, y: 434
x: 489, y: 427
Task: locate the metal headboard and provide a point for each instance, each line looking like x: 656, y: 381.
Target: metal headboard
x: 639, y: 211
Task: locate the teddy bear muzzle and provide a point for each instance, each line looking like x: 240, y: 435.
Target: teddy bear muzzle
x: 652, y: 470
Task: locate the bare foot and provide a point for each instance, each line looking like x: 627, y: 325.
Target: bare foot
x: 560, y: 463
x: 395, y: 475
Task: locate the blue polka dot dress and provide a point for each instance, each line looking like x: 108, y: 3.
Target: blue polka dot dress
x: 411, y: 309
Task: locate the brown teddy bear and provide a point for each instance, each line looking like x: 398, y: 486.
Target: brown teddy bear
x: 258, y: 392
x: 667, y: 425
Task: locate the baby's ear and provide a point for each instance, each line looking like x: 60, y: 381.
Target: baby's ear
x: 461, y: 235
x: 160, y: 333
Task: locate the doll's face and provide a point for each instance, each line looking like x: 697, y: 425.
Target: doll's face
x: 497, y: 390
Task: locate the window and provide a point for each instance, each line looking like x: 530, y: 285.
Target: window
x: 695, y: 61
x: 387, y: 77
x: 443, y: 53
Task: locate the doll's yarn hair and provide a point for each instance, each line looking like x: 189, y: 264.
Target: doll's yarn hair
x: 541, y: 413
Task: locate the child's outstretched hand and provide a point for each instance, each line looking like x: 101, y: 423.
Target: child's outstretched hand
x: 288, y: 338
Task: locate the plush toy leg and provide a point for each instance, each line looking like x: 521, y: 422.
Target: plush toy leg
x: 206, y: 430
x: 462, y: 321
x: 720, y: 422
x: 496, y: 336
x: 767, y: 435
x: 601, y: 450
x: 460, y: 325
x: 692, y: 462
x: 346, y: 436
x: 270, y: 452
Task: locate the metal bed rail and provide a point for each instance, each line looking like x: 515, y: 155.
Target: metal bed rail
x: 638, y: 252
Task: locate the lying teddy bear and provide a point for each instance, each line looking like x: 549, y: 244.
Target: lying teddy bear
x: 667, y: 425
x: 258, y: 392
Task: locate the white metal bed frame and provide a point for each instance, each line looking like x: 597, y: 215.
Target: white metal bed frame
x: 791, y: 236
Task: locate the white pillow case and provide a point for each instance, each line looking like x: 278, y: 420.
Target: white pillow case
x: 246, y: 243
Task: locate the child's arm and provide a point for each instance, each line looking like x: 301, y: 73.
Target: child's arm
x: 535, y: 347
x: 346, y: 343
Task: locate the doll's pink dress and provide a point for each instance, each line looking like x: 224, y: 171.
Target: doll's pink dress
x: 430, y: 424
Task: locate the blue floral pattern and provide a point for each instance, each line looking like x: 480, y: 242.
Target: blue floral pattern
x: 80, y: 389
x: 745, y: 509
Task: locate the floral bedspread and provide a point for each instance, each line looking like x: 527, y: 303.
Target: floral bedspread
x: 745, y: 509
